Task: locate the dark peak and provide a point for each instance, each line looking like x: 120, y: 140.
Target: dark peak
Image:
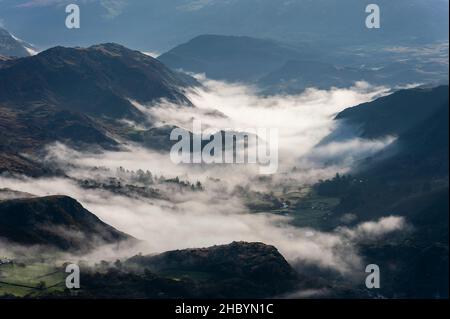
x: 112, y: 49
x: 252, y: 264
x: 110, y: 46
x: 57, y: 221
x: 235, y: 255
x: 105, y: 76
x: 57, y: 51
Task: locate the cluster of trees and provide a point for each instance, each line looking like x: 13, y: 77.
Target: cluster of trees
x: 140, y: 176
x: 338, y: 186
x: 193, y: 186
x: 129, y: 179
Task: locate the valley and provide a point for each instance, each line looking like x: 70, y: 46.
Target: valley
x: 89, y: 176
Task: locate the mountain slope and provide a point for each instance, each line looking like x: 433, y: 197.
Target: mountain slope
x: 276, y: 68
x: 396, y: 113
x: 98, y: 81
x: 416, y: 163
x: 78, y: 97
x: 24, y: 133
x: 14, y: 47
x: 56, y: 221
x: 237, y: 270
x: 409, y: 179
x: 30, y: 130
x: 229, y: 58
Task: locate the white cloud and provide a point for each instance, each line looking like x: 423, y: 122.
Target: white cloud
x: 375, y: 230
x: 217, y: 215
x: 206, y: 219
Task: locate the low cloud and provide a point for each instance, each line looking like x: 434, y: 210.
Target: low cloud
x: 180, y: 218
x: 375, y: 230
x: 211, y: 218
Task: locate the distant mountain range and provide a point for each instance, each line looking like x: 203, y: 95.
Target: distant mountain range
x: 229, y: 57
x: 277, y: 68
x: 14, y: 47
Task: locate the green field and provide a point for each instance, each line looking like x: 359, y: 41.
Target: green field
x: 305, y: 207
x: 22, y: 280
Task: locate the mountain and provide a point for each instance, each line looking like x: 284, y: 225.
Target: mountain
x: 14, y: 47
x: 409, y: 178
x: 55, y: 221
x: 24, y: 133
x: 248, y: 260
x: 396, y: 113
x: 77, y: 96
x: 232, y: 58
x: 16, y: 163
x: 32, y: 129
x: 276, y: 68
x: 237, y: 270
x: 97, y: 81
x: 415, y: 163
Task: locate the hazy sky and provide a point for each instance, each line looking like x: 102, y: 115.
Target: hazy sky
x: 158, y: 25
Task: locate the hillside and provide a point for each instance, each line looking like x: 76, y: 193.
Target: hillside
x: 237, y: 270
x: 409, y: 179
x: 97, y: 81
x: 55, y: 221
x: 77, y: 96
x: 396, y: 113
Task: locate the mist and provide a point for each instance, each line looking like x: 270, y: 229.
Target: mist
x: 181, y: 218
